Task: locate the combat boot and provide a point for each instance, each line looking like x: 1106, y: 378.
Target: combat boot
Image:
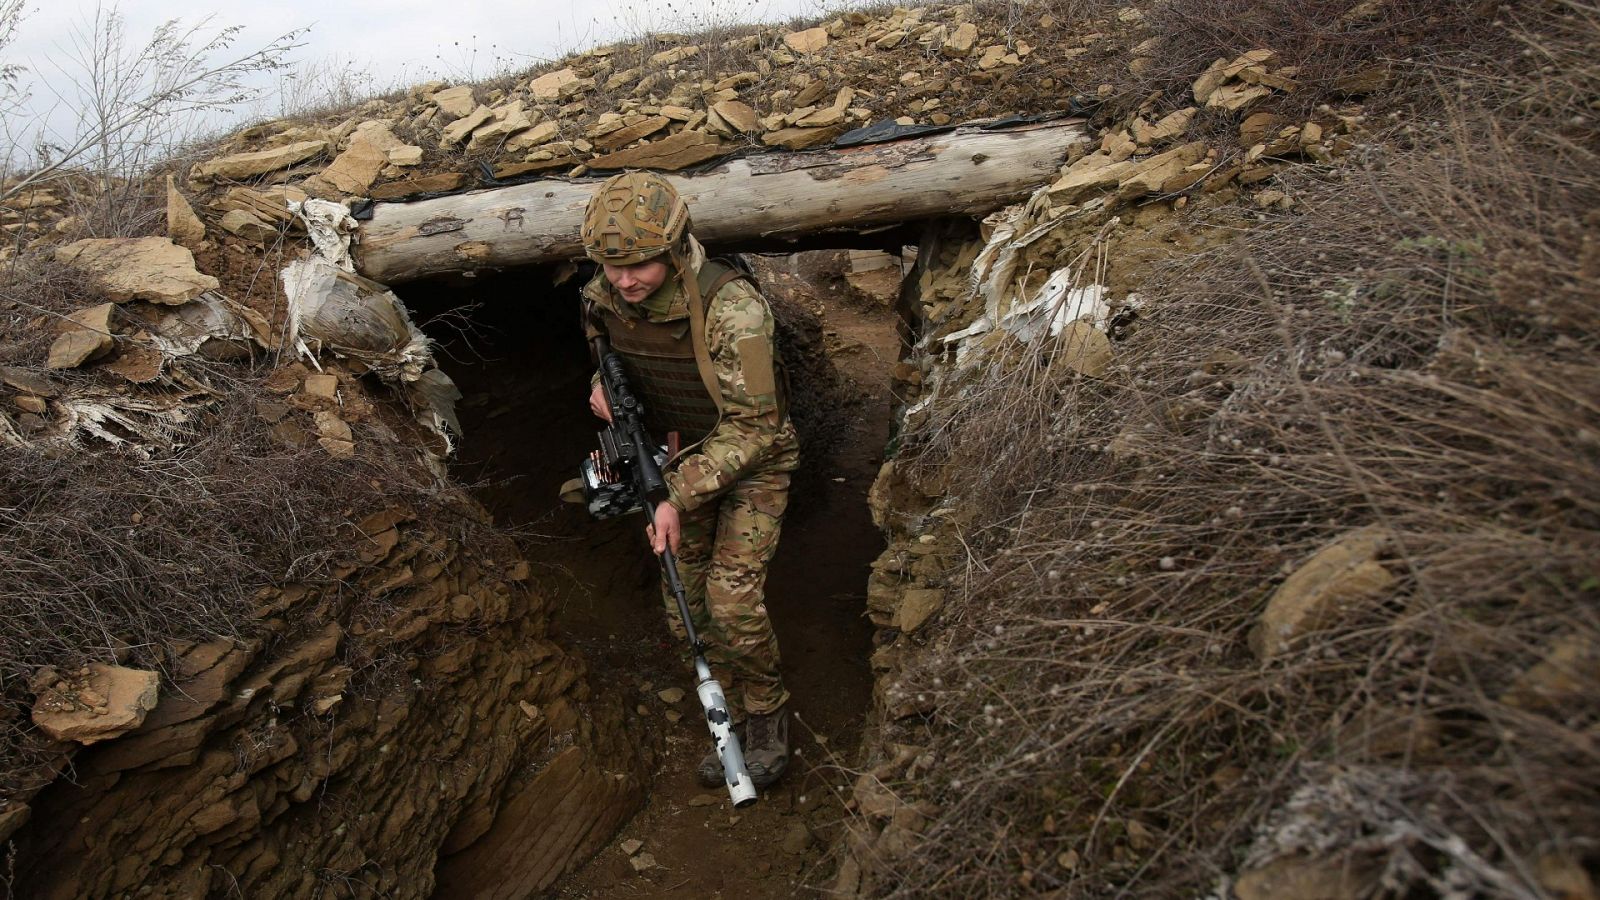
x: 766, y: 746
x: 710, y: 769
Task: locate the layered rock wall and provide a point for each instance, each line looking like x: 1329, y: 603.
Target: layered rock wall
x: 409, y: 720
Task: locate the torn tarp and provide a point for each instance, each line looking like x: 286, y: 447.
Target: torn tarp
x: 331, y: 228
x: 343, y: 313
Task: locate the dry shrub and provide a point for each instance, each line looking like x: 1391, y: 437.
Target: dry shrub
x: 1413, y: 349
x: 1325, y: 39
x: 111, y: 555
x: 36, y: 295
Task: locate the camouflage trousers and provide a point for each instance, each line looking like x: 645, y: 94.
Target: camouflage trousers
x: 722, y: 557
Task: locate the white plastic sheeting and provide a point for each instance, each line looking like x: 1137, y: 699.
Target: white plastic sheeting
x: 332, y: 309
x: 342, y: 313
x: 331, y: 228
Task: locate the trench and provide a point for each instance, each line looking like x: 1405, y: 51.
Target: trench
x: 512, y: 343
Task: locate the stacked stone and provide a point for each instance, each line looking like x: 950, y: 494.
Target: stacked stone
x: 624, y: 107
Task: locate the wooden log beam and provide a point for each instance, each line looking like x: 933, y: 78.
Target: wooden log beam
x: 749, y: 203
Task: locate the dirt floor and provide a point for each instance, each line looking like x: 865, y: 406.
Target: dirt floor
x: 523, y: 370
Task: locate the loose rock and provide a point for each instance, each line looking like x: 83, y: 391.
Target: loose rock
x: 108, y: 701
x: 809, y: 41
x: 1334, y: 581
x: 148, y: 268
x: 87, y: 337
x: 260, y: 162
x: 183, y: 226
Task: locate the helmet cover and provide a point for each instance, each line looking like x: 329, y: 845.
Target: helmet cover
x: 633, y: 217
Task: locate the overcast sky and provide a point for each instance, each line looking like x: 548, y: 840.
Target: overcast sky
x: 389, y: 42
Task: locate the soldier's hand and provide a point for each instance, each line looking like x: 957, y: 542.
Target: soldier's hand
x: 597, y: 403
x: 668, y: 528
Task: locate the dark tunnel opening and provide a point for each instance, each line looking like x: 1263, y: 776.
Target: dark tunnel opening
x: 512, y: 343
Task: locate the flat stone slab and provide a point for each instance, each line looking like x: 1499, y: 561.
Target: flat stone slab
x: 147, y: 268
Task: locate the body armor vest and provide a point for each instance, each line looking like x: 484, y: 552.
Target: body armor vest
x: 659, y: 357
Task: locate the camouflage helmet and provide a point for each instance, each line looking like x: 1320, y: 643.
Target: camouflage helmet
x: 633, y: 217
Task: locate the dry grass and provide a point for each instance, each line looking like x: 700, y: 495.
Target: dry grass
x: 1326, y: 40
x: 114, y: 556
x: 1413, y: 348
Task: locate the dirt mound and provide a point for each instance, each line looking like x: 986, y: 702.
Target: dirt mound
x: 1273, y: 581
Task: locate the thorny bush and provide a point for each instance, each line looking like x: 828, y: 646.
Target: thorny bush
x: 1413, y: 350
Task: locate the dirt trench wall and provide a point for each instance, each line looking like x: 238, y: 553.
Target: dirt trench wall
x: 350, y: 754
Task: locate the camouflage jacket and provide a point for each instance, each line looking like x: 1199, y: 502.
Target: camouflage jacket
x: 754, y: 433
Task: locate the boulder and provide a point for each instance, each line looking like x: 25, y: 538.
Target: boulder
x: 1118, y: 145
x: 12, y: 817
x: 674, y: 56
x: 1094, y: 173
x: 550, y: 85
x: 183, y: 226
x: 623, y: 79
x: 542, y: 133
x: 961, y: 41
x: 354, y: 170
x: 626, y: 135
x: 917, y: 605
x: 1251, y: 59
x: 87, y: 337
x: 829, y: 115
x: 456, y: 102
x: 1149, y: 175
x: 147, y: 268
x: 1085, y: 349
x: 891, y: 40
x: 405, y: 155
x: 1336, y: 580
x: 808, y: 41
x: 101, y: 703
x: 738, y: 116
x: 798, y: 138
x: 423, y: 184
x: 248, y: 226
x: 1209, y: 81
x: 668, y: 154
x: 810, y: 94
x: 1233, y: 97
x: 333, y: 433
x: 268, y: 205
x: 509, y: 119
x: 260, y: 162
x: 457, y: 131
x: 1256, y: 126
x: 1170, y: 127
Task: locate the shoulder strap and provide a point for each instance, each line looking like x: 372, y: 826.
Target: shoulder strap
x: 714, y: 275
x: 697, y: 328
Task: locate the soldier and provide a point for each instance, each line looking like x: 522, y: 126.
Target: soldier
x: 697, y: 341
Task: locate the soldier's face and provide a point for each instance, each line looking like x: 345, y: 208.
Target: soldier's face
x: 637, y: 281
